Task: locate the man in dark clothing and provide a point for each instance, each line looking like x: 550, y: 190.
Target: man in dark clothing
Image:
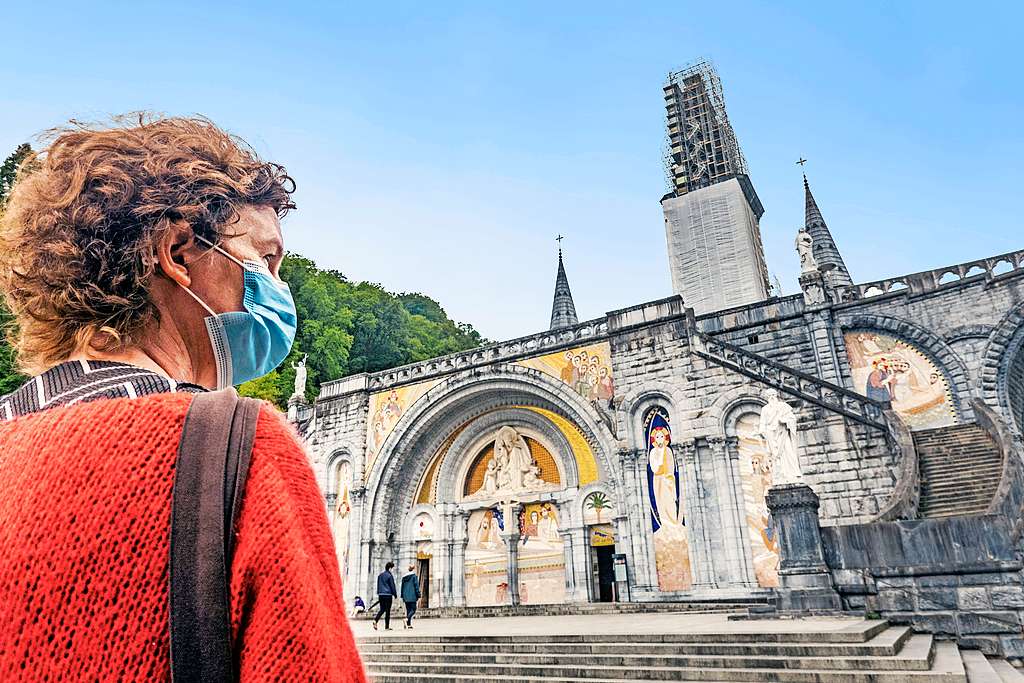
x: 386, y: 592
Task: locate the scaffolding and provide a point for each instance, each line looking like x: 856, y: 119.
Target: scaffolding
x: 700, y: 147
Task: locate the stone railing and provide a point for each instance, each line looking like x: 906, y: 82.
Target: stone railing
x: 535, y: 344
x: 906, y: 496
x: 1009, y: 498
x: 811, y: 389
x: 929, y: 280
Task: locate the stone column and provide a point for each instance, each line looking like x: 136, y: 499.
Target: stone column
x: 730, y: 569
x: 804, y: 579
x: 511, y: 537
x: 740, y: 511
x: 457, y: 568
x: 636, y: 542
x: 574, y: 546
x: 696, y: 519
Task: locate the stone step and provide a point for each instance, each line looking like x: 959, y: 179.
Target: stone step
x: 946, y: 667
x: 952, y: 512
x: 859, y: 631
x: 885, y: 644
x: 953, y: 495
x: 915, y: 656
x: 1007, y: 672
x: 978, y: 668
x: 978, y: 486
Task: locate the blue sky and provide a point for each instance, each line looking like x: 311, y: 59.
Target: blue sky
x: 440, y: 147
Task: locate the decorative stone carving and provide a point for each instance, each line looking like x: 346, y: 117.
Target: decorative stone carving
x: 778, y: 427
x: 511, y: 470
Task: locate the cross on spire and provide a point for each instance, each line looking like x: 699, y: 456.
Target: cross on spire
x: 801, y: 161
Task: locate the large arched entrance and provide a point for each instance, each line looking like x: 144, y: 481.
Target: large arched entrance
x: 481, y: 484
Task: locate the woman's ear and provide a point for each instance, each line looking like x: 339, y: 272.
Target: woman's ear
x: 173, y: 252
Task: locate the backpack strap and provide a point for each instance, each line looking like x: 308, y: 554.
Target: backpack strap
x: 209, y: 482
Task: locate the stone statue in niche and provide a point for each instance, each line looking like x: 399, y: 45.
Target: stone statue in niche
x: 511, y: 469
x: 805, y: 248
x: 778, y: 427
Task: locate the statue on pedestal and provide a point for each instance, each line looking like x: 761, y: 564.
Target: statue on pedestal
x: 300, y: 378
x: 805, y: 248
x: 778, y: 427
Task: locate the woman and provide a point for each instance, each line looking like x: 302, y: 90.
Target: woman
x: 410, y: 593
x: 140, y: 263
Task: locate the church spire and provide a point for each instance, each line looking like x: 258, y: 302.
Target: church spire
x: 826, y: 253
x: 563, y: 310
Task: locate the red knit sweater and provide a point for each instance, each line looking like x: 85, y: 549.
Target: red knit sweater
x: 85, y: 500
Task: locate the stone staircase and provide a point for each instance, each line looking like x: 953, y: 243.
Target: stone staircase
x: 960, y: 470
x: 865, y: 652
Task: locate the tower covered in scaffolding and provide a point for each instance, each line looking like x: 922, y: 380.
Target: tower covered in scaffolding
x: 711, y: 209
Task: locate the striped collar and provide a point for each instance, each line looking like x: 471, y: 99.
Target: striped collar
x: 82, y: 380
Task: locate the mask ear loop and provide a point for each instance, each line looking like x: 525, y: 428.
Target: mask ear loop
x: 218, y: 249
x: 200, y: 301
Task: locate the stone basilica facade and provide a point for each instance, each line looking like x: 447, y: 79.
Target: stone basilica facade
x: 629, y: 457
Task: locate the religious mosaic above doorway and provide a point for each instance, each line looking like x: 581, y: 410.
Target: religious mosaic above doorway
x: 756, y: 475
x: 587, y: 369
x: 598, y: 508
x: 888, y: 369
x: 511, y: 465
x: 668, y: 521
x: 386, y: 409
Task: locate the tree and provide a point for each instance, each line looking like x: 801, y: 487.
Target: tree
x: 10, y: 378
x: 9, y: 169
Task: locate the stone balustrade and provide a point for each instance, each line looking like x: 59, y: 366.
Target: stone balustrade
x: 929, y: 280
x: 532, y: 345
x: 819, y: 392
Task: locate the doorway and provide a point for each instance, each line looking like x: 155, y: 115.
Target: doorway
x: 605, y: 565
x: 423, y: 572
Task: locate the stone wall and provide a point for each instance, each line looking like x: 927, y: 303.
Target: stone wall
x: 957, y: 577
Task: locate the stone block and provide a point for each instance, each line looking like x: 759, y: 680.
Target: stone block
x: 932, y: 599
x: 944, y: 580
x: 1012, y: 646
x: 971, y: 623
x: 982, y: 579
x: 973, y: 599
x: 893, y: 601
x: 990, y: 645
x: 942, y: 623
x: 1007, y: 596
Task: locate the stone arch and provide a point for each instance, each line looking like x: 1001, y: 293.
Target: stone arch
x: 408, y: 532
x: 450, y: 474
x: 453, y: 403
x: 931, y: 345
x: 1002, y: 367
x: 640, y: 400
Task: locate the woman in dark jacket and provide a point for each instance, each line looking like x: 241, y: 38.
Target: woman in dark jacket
x: 410, y: 593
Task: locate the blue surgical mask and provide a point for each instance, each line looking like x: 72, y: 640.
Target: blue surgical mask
x: 251, y: 343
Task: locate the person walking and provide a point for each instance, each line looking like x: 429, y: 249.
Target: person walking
x: 410, y: 593
x: 140, y: 262
x: 386, y: 593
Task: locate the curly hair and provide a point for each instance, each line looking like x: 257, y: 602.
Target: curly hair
x: 79, y: 230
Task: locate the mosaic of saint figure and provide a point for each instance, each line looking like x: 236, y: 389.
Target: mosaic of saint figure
x: 891, y: 370
x: 671, y: 537
x: 663, y: 477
